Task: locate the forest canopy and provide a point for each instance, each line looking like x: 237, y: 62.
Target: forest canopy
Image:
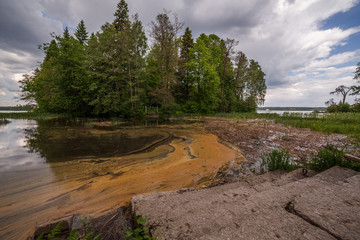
x: 114, y: 72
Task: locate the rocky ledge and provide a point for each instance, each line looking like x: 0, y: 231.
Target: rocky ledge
x: 275, y: 205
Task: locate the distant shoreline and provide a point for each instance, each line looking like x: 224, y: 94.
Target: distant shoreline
x: 293, y: 108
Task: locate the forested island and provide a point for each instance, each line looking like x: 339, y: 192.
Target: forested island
x: 116, y: 72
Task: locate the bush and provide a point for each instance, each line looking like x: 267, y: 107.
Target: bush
x: 356, y: 108
x: 332, y: 109
x: 329, y: 157
x: 277, y: 160
x: 344, y: 107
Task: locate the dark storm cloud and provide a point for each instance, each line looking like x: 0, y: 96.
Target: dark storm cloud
x: 22, y: 26
x: 282, y: 35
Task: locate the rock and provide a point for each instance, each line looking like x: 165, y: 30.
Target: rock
x: 257, y: 207
x: 334, y: 208
x: 112, y: 225
x: 47, y: 227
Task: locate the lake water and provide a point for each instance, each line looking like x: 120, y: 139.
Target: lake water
x: 281, y: 112
x: 53, y: 168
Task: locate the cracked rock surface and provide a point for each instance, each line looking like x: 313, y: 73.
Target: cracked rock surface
x: 275, y: 205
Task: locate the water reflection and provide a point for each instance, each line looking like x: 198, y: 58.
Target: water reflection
x: 12, y: 145
x: 65, y: 140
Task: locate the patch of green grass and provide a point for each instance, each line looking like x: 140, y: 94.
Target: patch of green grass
x: 329, y: 157
x: 277, y: 159
x: 31, y: 115
x: 343, y: 123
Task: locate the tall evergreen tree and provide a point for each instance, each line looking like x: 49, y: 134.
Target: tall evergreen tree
x: 138, y: 51
x: 81, y: 33
x: 187, y: 43
x: 227, y: 94
x: 121, y: 21
x: 66, y: 34
x: 241, y: 62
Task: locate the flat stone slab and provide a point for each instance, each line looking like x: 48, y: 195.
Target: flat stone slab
x: 335, y: 208
x: 256, y: 208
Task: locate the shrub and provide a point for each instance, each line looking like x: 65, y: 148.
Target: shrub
x: 356, y: 108
x: 344, y: 107
x: 140, y: 232
x: 277, y: 159
x: 329, y: 157
x: 332, y: 108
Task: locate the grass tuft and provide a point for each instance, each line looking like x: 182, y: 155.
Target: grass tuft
x: 277, y: 159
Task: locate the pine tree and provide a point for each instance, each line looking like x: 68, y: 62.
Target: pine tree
x: 66, y: 34
x: 187, y: 43
x: 138, y: 51
x: 121, y: 21
x: 81, y: 33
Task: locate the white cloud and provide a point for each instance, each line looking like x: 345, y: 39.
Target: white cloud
x: 284, y: 36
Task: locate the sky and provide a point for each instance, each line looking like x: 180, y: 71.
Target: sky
x: 306, y: 48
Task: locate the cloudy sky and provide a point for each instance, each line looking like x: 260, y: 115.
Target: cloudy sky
x: 306, y: 47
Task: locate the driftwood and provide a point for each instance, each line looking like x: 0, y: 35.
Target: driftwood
x: 352, y: 158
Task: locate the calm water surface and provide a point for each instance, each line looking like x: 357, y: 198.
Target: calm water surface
x: 52, y: 168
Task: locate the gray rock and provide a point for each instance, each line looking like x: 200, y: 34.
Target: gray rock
x: 257, y: 207
x: 47, y: 227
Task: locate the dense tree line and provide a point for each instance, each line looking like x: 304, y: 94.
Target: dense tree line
x: 114, y: 73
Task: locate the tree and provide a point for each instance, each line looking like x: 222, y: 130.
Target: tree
x: 137, y: 53
x: 227, y: 74
x: 255, y: 86
x: 241, y: 62
x: 356, y: 89
x: 343, y: 90
x: 81, y: 34
x: 187, y: 43
x: 165, y: 53
x: 112, y: 73
x: 121, y: 21
x: 205, y: 89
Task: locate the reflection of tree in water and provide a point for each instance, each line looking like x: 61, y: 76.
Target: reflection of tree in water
x: 59, y: 141
x: 4, y: 122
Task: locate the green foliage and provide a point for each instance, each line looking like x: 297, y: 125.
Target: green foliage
x: 205, y: 82
x: 329, y: 157
x: 356, y: 108
x: 332, y: 108
x: 344, y: 123
x: 56, y: 233
x: 112, y: 73
x: 140, y: 232
x: 277, y: 159
x: 32, y: 115
x: 344, y: 107
x: 81, y: 33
